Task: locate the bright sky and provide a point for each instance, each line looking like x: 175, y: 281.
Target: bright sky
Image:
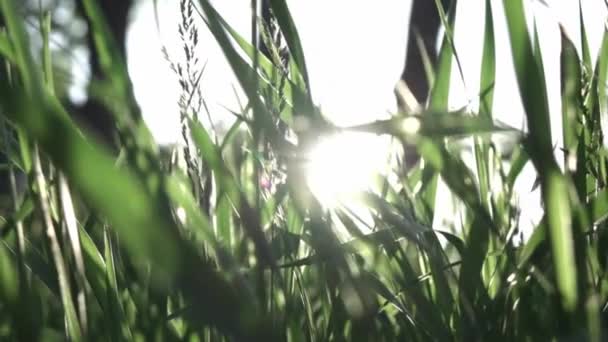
x: 349, y: 89
x: 355, y: 53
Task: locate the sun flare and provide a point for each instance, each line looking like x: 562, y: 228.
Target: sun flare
x: 344, y: 165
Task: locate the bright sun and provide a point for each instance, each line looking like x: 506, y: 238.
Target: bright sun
x: 344, y: 165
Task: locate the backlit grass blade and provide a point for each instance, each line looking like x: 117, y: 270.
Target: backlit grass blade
x: 602, y: 80
x: 5, y: 47
x: 67, y: 206
x: 198, y: 223
x: 293, y: 94
x: 427, y: 319
x: 559, y: 221
x: 599, y: 114
x: 429, y: 68
x: 483, y: 153
x: 262, y: 118
x: 599, y: 87
x: 439, y: 94
x: 448, y: 24
x: 428, y: 247
x: 292, y: 38
x: 586, y: 54
x: 438, y: 102
x: 434, y: 125
x: 519, y: 159
x: 572, y: 116
x: 20, y: 46
x: 488, y: 64
x: 571, y: 105
x: 530, y: 77
x: 602, y: 239
x: 571, y: 99
x: 596, y: 210
x: 230, y: 186
x: 461, y: 182
x: 94, y: 265
x: 531, y: 85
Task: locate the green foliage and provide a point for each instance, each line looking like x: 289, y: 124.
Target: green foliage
x: 228, y: 242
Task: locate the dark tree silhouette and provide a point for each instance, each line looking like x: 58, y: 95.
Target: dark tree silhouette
x: 425, y: 23
x: 92, y: 114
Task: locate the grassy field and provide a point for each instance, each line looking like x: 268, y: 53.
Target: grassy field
x: 230, y: 244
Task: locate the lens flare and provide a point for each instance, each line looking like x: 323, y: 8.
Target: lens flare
x: 342, y: 166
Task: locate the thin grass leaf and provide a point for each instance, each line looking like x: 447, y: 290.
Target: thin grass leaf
x: 76, y: 327
x: 518, y: 161
x: 439, y: 94
x: 571, y: 100
x: 198, y: 223
x: 110, y: 59
x: 5, y: 47
x: 20, y: 46
x: 602, y: 80
x: 231, y: 188
x: 559, y: 222
x: 448, y: 25
x: 73, y: 326
x: 530, y: 79
x: 9, y: 278
x: 288, y: 28
x: 69, y: 216
x: 291, y: 93
x: 37, y: 264
x: 438, y: 103
x: 586, y: 54
x: 488, y: 64
x: 113, y: 302
x: 529, y: 71
x: 429, y: 68
x: 434, y: 125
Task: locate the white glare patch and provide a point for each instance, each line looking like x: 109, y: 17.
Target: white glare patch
x: 571, y: 162
x: 511, y: 278
x: 181, y: 215
x: 410, y: 125
x: 342, y: 166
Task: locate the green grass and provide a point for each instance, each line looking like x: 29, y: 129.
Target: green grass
x: 96, y: 248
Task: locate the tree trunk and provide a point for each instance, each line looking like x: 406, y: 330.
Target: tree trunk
x: 92, y: 114
x: 424, y: 22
